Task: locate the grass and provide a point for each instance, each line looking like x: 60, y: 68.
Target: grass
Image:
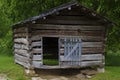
x: 112, y: 67
x: 50, y: 61
x: 16, y: 72
x: 111, y: 73
x: 13, y: 71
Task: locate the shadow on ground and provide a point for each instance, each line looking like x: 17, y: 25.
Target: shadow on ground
x: 58, y: 72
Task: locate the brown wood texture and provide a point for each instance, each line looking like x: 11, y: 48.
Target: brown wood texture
x: 20, y: 30
x: 20, y: 35
x: 67, y: 32
x: 64, y: 27
x: 73, y: 22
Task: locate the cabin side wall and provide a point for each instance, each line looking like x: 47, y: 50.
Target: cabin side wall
x: 21, y: 46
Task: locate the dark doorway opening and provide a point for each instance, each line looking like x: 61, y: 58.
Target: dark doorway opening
x: 50, y: 51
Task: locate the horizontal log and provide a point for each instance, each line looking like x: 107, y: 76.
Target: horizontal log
x: 87, y: 57
x: 36, y: 64
x: 67, y: 32
x: 21, y: 52
x: 70, y: 64
x: 26, y: 65
x: 26, y: 54
x: 36, y: 44
x: 93, y: 50
x: 36, y: 50
x: 20, y: 30
x: 92, y: 38
x: 22, y: 58
x: 21, y: 46
x: 61, y: 51
x: 92, y: 44
x: 20, y: 35
x: 67, y: 17
x: 72, y: 22
x: 83, y: 38
x: 36, y: 38
x: 66, y: 27
x: 92, y: 57
x: 91, y: 63
x: 21, y: 40
x: 37, y: 57
x: 87, y: 50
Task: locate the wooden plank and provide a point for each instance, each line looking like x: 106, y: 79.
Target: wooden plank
x: 36, y: 64
x: 67, y: 32
x: 68, y: 27
x: 22, y: 58
x: 72, y: 12
x: 37, y: 57
x: 92, y: 44
x: 91, y: 38
x: 68, y: 63
x: 21, y: 40
x: 93, y: 50
x: 67, y: 17
x: 36, y: 44
x: 61, y: 57
x: 20, y: 35
x: 91, y: 63
x: 89, y: 45
x: 21, y: 46
x: 21, y: 52
x: 20, y: 30
x: 26, y: 65
x: 36, y: 38
x: 85, y: 39
x: 36, y: 50
x: 61, y: 51
x: 72, y: 22
x: 91, y: 57
x: 87, y: 50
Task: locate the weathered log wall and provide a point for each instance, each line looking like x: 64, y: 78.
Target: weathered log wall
x: 21, y: 46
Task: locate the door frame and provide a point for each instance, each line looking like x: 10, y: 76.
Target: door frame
x: 57, y: 48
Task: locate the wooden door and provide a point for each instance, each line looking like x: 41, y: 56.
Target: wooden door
x: 70, y: 51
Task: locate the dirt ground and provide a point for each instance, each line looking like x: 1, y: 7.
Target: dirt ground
x: 64, y: 74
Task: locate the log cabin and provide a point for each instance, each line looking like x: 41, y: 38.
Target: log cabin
x: 68, y: 36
